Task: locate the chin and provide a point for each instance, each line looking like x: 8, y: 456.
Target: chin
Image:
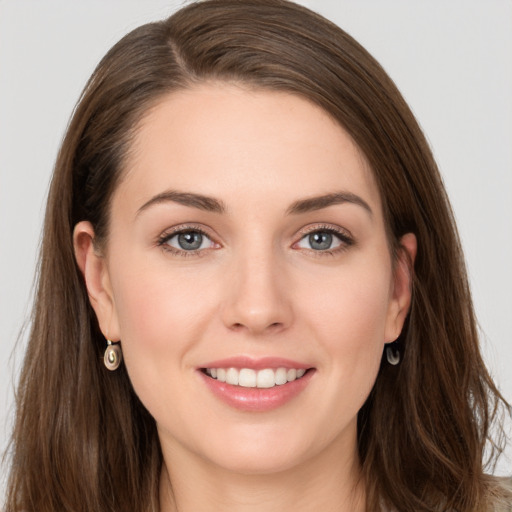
x: 265, y: 450
x: 258, y: 462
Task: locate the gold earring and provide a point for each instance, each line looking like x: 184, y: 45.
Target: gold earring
x: 113, y: 356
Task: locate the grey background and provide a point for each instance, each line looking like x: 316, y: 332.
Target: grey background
x: 452, y: 60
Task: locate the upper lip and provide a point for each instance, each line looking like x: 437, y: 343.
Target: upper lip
x: 256, y: 363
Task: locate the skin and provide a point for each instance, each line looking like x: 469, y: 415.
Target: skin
x: 256, y: 288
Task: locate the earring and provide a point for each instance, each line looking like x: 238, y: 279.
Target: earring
x: 113, y: 356
x: 393, y: 354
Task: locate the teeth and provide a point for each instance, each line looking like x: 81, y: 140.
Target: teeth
x: 232, y: 376
x: 246, y: 378
x: 266, y: 379
x: 249, y: 378
x: 281, y: 376
x: 291, y: 374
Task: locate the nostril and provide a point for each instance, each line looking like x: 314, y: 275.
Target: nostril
x: 272, y: 327
x: 237, y: 326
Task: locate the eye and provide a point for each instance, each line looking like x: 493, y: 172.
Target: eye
x: 324, y: 240
x: 189, y: 240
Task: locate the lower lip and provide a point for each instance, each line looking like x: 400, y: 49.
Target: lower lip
x: 257, y: 399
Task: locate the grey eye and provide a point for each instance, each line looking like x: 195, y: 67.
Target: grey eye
x: 189, y: 241
x: 320, y: 241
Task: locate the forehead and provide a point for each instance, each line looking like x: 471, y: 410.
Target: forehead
x: 225, y: 141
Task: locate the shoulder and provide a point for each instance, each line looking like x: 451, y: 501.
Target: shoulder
x: 503, y: 497
x: 499, y: 496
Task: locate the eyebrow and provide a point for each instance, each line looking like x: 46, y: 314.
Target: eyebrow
x: 208, y: 204
x: 311, y: 204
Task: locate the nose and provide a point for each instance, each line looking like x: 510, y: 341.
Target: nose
x: 258, y: 295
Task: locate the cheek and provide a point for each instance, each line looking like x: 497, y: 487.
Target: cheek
x: 161, y: 321
x: 352, y: 306
x: 349, y: 319
x: 159, y: 313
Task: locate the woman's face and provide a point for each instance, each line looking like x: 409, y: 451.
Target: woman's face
x: 247, y: 243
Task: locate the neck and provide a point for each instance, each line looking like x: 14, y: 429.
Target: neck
x: 332, y: 483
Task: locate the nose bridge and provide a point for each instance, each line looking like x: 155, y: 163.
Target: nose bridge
x: 257, y: 293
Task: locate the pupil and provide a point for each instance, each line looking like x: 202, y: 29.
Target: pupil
x: 320, y: 241
x: 190, y: 241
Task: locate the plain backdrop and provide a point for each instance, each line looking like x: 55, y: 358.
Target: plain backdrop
x: 452, y: 60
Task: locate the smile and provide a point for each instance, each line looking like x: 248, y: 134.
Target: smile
x: 256, y: 385
x: 250, y: 378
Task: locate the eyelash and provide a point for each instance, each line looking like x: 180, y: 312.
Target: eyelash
x: 343, y: 236
x: 164, y: 238
x: 345, y: 239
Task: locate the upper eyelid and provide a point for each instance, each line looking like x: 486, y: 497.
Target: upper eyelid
x: 184, y: 228
x: 312, y: 228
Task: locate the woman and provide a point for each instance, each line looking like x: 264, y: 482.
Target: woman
x: 251, y: 292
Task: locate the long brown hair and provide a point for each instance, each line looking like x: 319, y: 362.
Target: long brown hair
x: 82, y: 439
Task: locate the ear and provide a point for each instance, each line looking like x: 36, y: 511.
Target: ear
x: 93, y: 266
x: 402, y: 287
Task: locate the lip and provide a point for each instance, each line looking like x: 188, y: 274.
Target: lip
x: 256, y: 399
